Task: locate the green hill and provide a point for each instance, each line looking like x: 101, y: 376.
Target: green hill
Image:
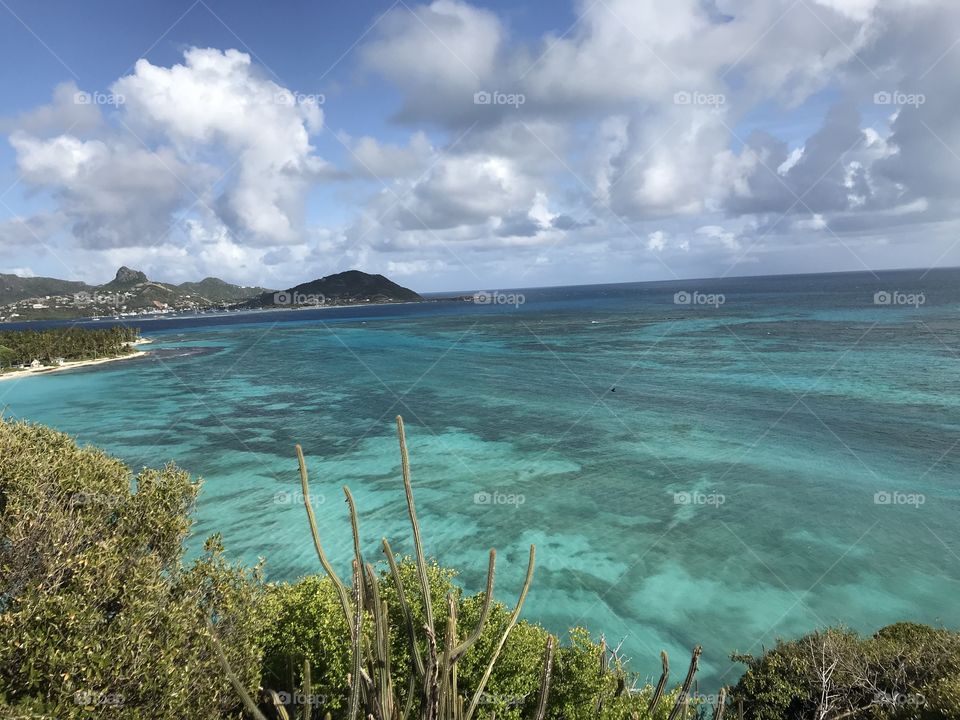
x: 352, y: 287
x: 130, y: 293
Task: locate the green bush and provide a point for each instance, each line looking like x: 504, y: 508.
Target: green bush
x: 99, y: 617
x: 904, y: 671
x: 307, y: 622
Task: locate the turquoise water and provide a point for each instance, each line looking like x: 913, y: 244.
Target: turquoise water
x: 778, y: 415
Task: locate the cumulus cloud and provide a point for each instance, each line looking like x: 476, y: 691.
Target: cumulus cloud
x: 440, y: 54
x: 146, y: 176
x: 691, y: 135
x: 218, y: 99
x: 386, y: 161
x: 111, y: 194
x: 64, y: 114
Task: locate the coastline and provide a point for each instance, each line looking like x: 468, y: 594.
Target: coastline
x: 30, y: 372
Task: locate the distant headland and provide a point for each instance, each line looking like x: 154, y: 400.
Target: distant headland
x: 132, y: 294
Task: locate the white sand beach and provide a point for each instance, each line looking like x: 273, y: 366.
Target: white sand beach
x: 29, y: 372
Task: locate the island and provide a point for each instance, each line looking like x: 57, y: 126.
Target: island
x: 352, y: 287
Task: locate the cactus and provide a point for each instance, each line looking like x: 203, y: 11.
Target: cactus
x: 658, y: 693
x: 433, y: 686
x: 434, y: 677
x: 721, y: 705
x: 680, y: 708
x: 545, y: 680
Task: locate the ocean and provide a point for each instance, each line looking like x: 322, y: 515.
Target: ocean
x: 715, y: 462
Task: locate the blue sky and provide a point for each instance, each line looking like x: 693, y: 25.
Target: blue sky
x: 644, y: 140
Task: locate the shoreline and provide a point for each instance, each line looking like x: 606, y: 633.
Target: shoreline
x: 30, y: 372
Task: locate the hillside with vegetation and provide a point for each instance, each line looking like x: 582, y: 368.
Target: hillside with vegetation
x: 131, y: 293
x: 14, y: 288
x: 101, y: 616
x: 351, y: 287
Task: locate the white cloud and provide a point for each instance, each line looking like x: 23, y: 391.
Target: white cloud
x: 218, y: 99
x: 440, y: 54
x: 385, y: 161
x: 656, y: 241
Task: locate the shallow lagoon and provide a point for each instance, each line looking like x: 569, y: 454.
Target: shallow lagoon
x: 726, y: 493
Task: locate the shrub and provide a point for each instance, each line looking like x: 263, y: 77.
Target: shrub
x: 306, y: 621
x: 98, y: 615
x: 903, y: 671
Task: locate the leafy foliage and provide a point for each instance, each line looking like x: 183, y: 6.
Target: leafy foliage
x: 904, y: 671
x: 307, y: 622
x: 98, y: 615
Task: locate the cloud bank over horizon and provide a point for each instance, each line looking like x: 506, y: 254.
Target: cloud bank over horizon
x: 646, y: 140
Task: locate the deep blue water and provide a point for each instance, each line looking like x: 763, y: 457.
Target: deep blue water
x: 726, y: 493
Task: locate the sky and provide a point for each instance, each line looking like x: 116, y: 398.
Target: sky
x: 455, y: 145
